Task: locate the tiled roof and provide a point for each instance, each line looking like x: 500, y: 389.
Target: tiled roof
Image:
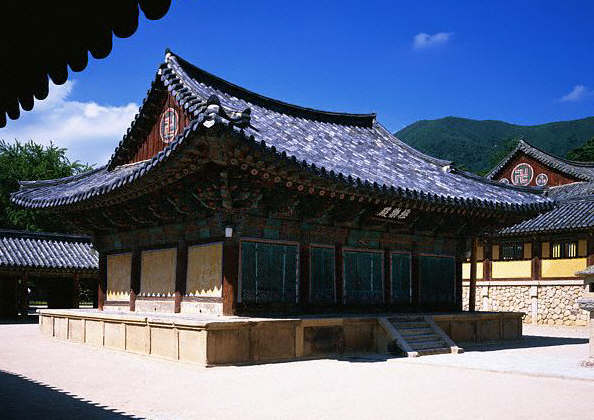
x: 47, y: 251
x: 352, y: 147
x: 571, y: 215
x: 579, y: 170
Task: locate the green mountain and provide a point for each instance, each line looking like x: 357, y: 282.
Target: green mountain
x: 473, y: 143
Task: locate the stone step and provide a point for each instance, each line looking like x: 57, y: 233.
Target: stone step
x: 428, y: 345
x: 415, y: 331
x: 438, y: 350
x: 408, y: 325
x: 425, y: 337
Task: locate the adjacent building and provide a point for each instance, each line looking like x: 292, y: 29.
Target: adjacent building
x: 221, y: 200
x: 531, y: 266
x: 44, y: 266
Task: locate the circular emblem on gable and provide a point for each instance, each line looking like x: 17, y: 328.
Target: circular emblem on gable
x: 542, y: 180
x: 504, y: 181
x: 522, y: 174
x: 169, y: 125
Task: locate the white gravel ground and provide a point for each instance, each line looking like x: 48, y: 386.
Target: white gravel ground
x: 431, y: 387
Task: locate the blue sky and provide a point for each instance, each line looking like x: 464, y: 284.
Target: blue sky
x: 526, y: 62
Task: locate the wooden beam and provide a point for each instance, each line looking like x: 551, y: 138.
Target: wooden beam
x: 135, y: 278
x: 536, y: 265
x: 415, y: 277
x: 230, y: 275
x: 304, y: 272
x: 339, y: 277
x: 181, y: 274
x: 75, y: 290
x: 102, y: 283
x: 387, y: 276
x: 472, y: 283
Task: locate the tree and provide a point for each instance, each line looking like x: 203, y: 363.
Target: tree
x: 583, y: 153
x: 500, y: 152
x: 26, y: 162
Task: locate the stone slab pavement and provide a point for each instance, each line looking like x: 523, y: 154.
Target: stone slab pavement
x: 44, y: 378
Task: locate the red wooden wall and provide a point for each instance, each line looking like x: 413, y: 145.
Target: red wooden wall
x: 153, y: 143
x: 555, y: 177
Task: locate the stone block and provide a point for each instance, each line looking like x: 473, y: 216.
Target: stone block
x: 463, y: 331
x: 358, y: 336
x: 489, y: 330
x: 94, y: 332
x: 115, y: 337
x: 155, y: 305
x: 323, y: 340
x: 137, y: 338
x: 511, y: 329
x: 61, y: 328
x: 164, y: 342
x: 273, y: 341
x: 46, y: 324
x: 192, y: 346
x: 76, y: 331
x: 228, y: 346
x: 215, y: 308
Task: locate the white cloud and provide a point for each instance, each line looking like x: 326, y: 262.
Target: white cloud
x: 423, y: 40
x: 88, y: 130
x: 578, y: 93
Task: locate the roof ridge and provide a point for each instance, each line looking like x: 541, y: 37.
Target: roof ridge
x: 569, y: 161
x: 56, y: 181
x: 198, y: 74
x: 25, y: 234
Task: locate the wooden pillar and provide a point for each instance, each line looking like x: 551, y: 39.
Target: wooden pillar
x: 415, y: 278
x: 135, y: 278
x: 590, y: 250
x: 472, y: 282
x: 460, y: 259
x: 230, y: 276
x: 338, y: 278
x: 488, y: 261
x: 75, y: 290
x: 536, y: 266
x: 387, y: 276
x: 102, y: 283
x: 304, y: 273
x: 181, y: 274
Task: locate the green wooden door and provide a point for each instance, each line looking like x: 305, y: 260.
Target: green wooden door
x: 437, y: 276
x: 363, y: 279
x: 400, y: 278
x: 322, y: 274
x: 268, y: 272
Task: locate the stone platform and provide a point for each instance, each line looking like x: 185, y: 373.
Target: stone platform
x: 220, y: 340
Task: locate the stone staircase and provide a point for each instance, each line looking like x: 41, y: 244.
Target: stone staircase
x: 418, y: 335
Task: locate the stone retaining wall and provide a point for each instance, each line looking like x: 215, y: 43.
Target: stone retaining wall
x: 546, y: 302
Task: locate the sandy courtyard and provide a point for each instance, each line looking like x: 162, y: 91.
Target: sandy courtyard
x: 539, y: 378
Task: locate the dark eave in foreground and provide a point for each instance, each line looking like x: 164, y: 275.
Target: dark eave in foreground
x: 44, y: 38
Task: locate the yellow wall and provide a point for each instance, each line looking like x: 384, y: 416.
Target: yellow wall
x: 582, y: 247
x: 480, y: 253
x: 157, y: 271
x: 511, y: 269
x: 545, y: 250
x: 119, y: 267
x: 527, y: 250
x: 466, y: 271
x: 565, y: 267
x: 495, y: 252
x: 205, y: 270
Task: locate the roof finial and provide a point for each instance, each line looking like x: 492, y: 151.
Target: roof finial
x: 168, y: 53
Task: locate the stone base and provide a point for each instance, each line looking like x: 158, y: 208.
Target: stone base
x: 589, y: 363
x: 219, y: 340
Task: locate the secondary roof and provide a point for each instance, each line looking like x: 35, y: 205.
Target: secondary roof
x: 46, y: 251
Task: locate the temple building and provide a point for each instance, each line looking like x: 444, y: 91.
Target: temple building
x: 219, y: 200
x: 47, y: 267
x: 531, y: 266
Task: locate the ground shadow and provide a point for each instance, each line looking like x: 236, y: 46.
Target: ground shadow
x: 29, y: 319
x: 22, y: 398
x: 527, y: 341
